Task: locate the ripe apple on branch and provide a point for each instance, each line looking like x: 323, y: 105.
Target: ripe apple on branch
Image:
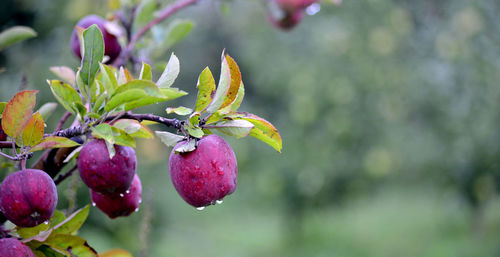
x: 102, y: 95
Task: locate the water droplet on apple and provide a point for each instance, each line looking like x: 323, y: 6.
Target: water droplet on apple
x: 200, y: 208
x: 127, y: 192
x: 93, y: 204
x: 136, y: 209
x: 46, y: 222
x: 313, y: 9
x: 122, y: 195
x: 219, y: 201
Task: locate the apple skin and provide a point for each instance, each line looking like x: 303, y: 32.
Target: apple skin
x: 119, y: 205
x: 11, y: 247
x: 294, y: 5
x: 205, y: 175
x: 28, y: 197
x: 112, y: 47
x: 288, y: 21
x: 104, y: 175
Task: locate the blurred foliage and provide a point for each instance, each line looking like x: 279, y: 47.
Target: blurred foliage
x: 388, y: 110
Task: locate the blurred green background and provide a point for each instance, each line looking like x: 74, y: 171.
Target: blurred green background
x: 389, y: 112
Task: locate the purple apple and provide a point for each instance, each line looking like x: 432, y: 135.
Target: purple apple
x: 205, y: 175
x: 28, y: 197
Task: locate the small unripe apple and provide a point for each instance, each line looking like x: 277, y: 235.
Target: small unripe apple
x: 105, y: 175
x: 28, y: 197
x: 123, y: 204
x: 11, y: 247
x: 112, y: 47
x: 205, y: 175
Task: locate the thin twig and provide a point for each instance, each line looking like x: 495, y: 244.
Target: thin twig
x: 62, y: 177
x: 64, y: 118
x: 163, y: 14
x: 9, y: 157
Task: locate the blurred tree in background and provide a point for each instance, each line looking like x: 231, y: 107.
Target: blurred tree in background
x: 389, y: 111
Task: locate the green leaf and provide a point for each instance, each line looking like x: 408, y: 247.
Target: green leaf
x: 53, y: 142
x: 14, y: 35
x: 2, y: 108
x: 32, y: 231
x: 170, y: 73
x: 214, y: 117
x: 172, y: 93
x: 74, y: 244
x: 145, y: 13
x: 235, y: 82
x: 195, y: 132
x: 124, y: 97
x: 66, y: 95
x: 93, y: 52
x: 188, y: 146
x: 263, y: 130
x: 17, y: 112
x: 206, y: 90
x: 47, y: 109
x: 108, y: 80
x: 33, y: 131
x: 222, y: 87
x: 169, y: 139
x: 146, y: 73
x: 73, y: 222
x: 133, y: 128
x: 181, y: 110
x: 64, y: 73
x: 176, y: 31
x: 235, y: 128
x: 82, y: 86
x: 112, y: 135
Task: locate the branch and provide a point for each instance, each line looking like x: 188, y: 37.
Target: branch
x: 62, y: 177
x: 163, y: 14
x: 175, y: 123
x: 62, y: 121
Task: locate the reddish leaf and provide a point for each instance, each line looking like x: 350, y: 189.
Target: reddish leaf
x: 18, y: 112
x: 235, y: 82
